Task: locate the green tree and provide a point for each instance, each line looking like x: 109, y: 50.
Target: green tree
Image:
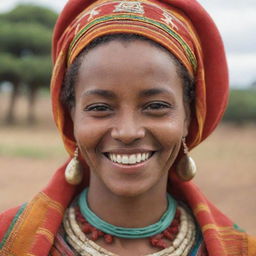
x: 242, y: 107
x: 22, y: 39
x: 30, y: 13
x: 25, y: 48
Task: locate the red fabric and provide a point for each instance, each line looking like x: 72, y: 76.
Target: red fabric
x: 6, y: 219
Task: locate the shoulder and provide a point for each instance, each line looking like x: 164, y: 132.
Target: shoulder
x: 8, y: 219
x: 251, y: 245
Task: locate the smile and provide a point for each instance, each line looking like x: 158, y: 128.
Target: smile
x: 129, y: 159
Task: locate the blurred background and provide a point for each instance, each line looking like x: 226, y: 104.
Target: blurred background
x: 30, y: 147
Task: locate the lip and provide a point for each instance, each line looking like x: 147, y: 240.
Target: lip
x: 129, y: 168
x: 129, y: 151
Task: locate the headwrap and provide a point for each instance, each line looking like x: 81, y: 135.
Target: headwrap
x: 181, y: 26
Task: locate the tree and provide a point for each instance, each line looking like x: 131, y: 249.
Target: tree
x: 21, y: 39
x: 30, y: 13
x: 25, y: 47
x: 242, y: 107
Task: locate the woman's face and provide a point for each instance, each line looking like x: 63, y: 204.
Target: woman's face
x: 129, y: 116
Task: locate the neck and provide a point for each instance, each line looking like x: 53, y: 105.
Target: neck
x: 128, y: 211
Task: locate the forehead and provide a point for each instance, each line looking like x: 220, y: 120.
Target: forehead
x: 127, y: 59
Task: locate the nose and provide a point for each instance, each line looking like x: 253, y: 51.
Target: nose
x: 128, y: 128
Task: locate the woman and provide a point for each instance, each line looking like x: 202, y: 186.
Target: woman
x: 136, y: 84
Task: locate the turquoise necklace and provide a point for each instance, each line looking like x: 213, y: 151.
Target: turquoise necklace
x: 130, y: 233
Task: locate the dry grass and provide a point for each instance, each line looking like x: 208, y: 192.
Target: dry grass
x: 226, y: 163
x: 227, y: 173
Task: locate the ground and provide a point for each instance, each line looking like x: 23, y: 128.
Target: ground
x: 29, y: 155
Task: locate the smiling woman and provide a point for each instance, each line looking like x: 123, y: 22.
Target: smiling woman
x: 134, y: 87
x: 110, y: 119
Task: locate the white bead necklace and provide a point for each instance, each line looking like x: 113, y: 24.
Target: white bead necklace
x: 181, y: 245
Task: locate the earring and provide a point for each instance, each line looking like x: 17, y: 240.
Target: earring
x: 186, y: 168
x: 74, y: 172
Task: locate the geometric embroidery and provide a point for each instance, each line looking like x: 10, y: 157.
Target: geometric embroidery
x: 91, y: 13
x: 132, y: 7
x: 168, y: 19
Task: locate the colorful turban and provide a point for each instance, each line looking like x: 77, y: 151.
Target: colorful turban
x: 181, y: 26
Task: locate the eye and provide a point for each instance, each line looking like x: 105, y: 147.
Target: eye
x: 98, y: 107
x: 157, y: 106
x: 99, y: 110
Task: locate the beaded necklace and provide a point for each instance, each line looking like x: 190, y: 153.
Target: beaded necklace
x: 130, y: 233
x: 81, y: 234
x: 83, y: 243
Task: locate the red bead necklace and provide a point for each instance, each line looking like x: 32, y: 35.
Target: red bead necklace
x: 159, y: 240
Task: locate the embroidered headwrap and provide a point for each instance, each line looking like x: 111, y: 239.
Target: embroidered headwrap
x: 182, y: 26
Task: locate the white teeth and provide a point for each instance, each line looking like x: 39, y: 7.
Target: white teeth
x: 119, y: 159
x: 132, y: 159
x: 125, y: 159
x: 138, y: 156
x: 129, y: 159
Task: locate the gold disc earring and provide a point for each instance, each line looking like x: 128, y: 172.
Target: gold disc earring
x: 186, y: 168
x: 74, y: 171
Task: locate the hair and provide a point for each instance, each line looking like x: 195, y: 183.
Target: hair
x: 68, y: 89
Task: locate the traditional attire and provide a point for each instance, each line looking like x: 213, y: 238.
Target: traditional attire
x: 185, y: 29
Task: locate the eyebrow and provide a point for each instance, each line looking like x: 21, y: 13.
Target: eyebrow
x: 153, y: 92
x: 100, y: 92
x: 111, y: 95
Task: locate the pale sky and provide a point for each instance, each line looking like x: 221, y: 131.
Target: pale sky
x: 236, y: 20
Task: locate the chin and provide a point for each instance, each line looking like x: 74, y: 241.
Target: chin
x: 130, y: 189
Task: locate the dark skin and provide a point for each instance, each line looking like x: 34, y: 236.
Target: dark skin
x: 129, y: 101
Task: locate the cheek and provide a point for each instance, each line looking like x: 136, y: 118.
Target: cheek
x: 88, y: 135
x: 88, y: 138
x: 169, y: 136
x: 169, y: 132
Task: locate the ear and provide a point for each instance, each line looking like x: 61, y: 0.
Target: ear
x: 72, y: 117
x: 72, y: 113
x: 187, y: 119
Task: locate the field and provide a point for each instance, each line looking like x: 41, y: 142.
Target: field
x: 226, y: 163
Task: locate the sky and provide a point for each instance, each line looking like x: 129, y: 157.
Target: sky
x: 236, y: 20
